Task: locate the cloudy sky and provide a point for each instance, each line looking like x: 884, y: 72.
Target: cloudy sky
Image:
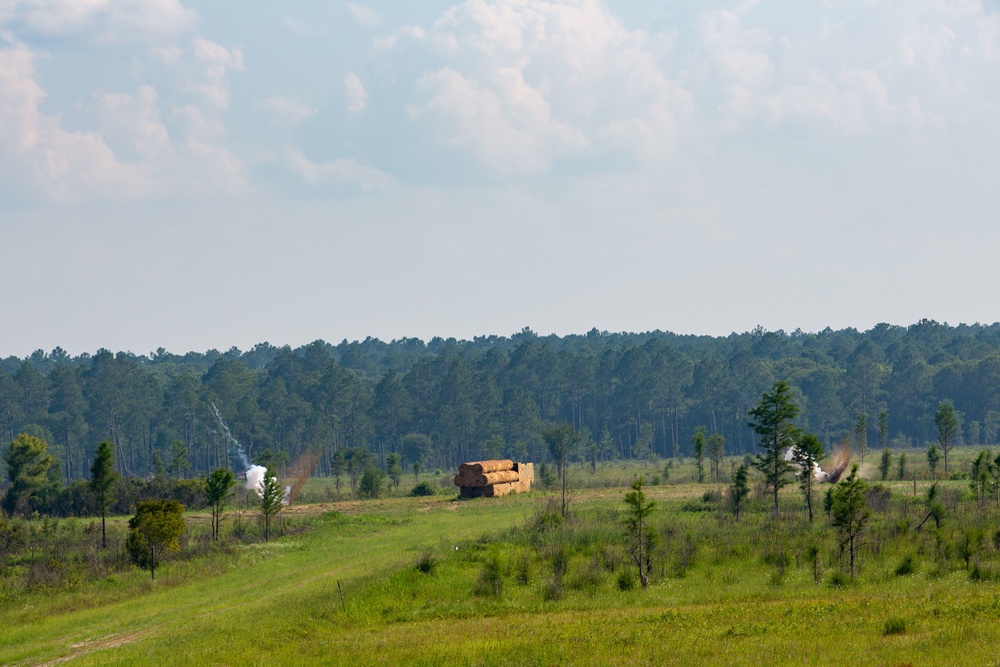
x: 206, y: 174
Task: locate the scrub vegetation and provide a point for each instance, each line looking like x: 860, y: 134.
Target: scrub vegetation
x: 329, y: 530
x: 434, y: 580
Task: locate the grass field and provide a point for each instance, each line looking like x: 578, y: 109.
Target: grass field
x: 726, y: 592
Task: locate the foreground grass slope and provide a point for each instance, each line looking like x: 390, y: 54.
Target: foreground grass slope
x: 745, y: 596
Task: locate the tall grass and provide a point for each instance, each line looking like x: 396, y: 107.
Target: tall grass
x: 503, y: 581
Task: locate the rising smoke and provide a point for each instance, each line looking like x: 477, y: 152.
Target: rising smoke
x: 233, y: 445
x: 255, y: 479
x: 255, y: 474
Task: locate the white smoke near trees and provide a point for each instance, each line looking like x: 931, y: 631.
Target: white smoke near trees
x: 255, y: 474
x: 255, y: 479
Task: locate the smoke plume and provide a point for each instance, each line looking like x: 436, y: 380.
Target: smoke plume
x: 255, y: 479
x: 233, y: 446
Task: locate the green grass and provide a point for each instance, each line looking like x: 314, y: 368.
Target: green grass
x: 728, y: 593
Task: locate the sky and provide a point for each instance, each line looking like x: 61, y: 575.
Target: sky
x: 194, y: 175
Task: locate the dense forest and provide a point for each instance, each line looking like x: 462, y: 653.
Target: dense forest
x: 633, y: 395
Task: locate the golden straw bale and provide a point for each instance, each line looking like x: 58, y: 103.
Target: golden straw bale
x: 502, y: 477
x: 483, y: 467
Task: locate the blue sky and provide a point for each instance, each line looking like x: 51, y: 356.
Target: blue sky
x: 206, y: 174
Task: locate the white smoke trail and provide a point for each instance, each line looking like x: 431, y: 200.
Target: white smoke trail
x: 233, y: 445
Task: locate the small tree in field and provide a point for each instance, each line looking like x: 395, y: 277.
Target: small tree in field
x: 807, y: 454
x: 638, y: 511
x: 394, y: 466
x: 933, y: 459
x: 861, y: 435
x: 217, y: 488
x: 946, y: 421
x: 772, y: 421
x: 28, y: 462
x: 155, y: 528
x: 372, y: 483
x: 561, y: 439
x: 885, y: 464
x: 698, y: 442
x: 272, y: 501
x: 883, y: 429
x: 102, y: 477
x: 981, y: 475
x: 740, y: 488
x: 716, y: 452
x: 902, y: 465
x: 850, y: 512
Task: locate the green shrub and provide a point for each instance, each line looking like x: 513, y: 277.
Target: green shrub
x: 627, y: 579
x: 522, y: 571
x: 372, y: 483
x: 838, y: 580
x: 547, y: 475
x: 547, y: 519
x: 425, y: 488
x: 894, y: 625
x: 906, y: 566
x: 982, y: 572
x: 490, y: 581
x: 427, y: 563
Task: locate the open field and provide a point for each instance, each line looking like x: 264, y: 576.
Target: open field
x: 723, y: 592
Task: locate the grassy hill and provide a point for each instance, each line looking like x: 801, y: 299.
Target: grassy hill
x: 506, y: 583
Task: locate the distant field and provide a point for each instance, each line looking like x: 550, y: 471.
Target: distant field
x: 726, y: 592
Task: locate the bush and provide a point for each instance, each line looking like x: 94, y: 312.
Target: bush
x: 490, y: 578
x: 552, y: 590
x: 372, y: 483
x: 547, y: 519
x: 894, y: 625
x: 838, y: 580
x: 877, y: 498
x: 627, y: 579
x: 427, y: 563
x: 425, y: 488
x: 190, y: 492
x: 547, y: 476
x: 522, y: 569
x: 906, y: 566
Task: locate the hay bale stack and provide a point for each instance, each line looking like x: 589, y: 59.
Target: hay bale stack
x: 491, y: 479
x: 526, y: 475
x: 500, y: 477
x: 483, y: 467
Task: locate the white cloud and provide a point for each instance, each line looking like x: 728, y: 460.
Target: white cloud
x: 340, y: 172
x: 523, y: 84
x: 508, y: 125
x: 107, y: 20
x: 364, y: 15
x: 215, y: 61
x: 357, y: 96
x: 286, y: 110
x: 301, y: 28
x: 132, y: 150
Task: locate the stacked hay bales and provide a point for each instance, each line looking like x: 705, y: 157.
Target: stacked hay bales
x: 489, y: 479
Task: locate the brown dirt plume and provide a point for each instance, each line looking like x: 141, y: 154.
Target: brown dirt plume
x: 838, y: 462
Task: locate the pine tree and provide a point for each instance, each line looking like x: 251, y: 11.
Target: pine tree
x: 102, y: 478
x: 772, y: 421
x: 638, y: 511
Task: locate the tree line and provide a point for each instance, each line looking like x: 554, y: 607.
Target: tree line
x: 435, y: 404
